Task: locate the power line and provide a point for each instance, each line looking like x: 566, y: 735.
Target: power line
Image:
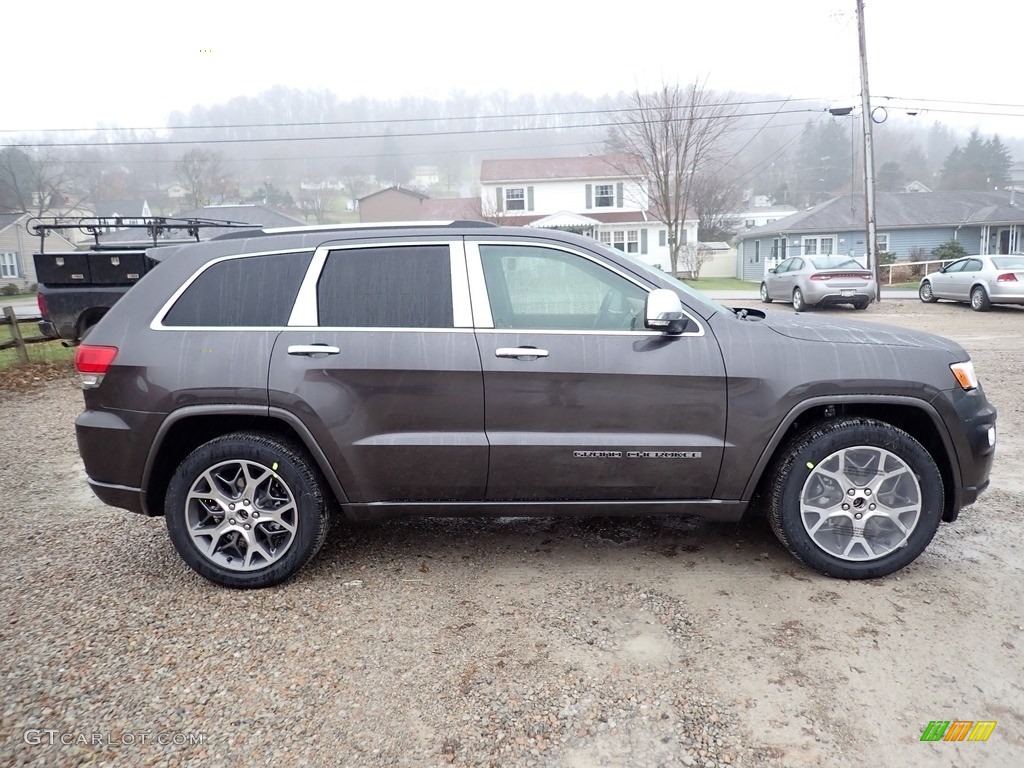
x: 379, y: 121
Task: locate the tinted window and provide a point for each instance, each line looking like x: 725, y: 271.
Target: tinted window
x: 251, y: 291
x: 407, y: 286
x: 973, y: 266
x: 956, y: 266
x: 1008, y: 262
x: 535, y: 287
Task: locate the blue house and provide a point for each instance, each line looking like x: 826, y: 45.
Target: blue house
x: 909, y: 224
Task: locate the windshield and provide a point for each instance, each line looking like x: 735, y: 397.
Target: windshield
x: 660, y: 275
x: 1008, y: 262
x: 836, y: 262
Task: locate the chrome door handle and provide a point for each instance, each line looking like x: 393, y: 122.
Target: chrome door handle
x: 312, y: 350
x: 521, y: 353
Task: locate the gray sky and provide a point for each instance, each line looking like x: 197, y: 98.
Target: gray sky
x: 131, y: 63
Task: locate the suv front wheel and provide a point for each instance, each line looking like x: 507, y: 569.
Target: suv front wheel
x: 247, y: 510
x: 855, y: 498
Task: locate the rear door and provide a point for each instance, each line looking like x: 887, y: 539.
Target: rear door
x: 380, y: 362
x: 582, y: 402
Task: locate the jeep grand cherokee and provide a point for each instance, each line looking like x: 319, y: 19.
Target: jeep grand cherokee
x: 248, y: 385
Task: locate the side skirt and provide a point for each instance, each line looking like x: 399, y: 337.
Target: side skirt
x: 711, y: 509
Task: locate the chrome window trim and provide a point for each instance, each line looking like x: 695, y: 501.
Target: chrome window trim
x: 157, y: 323
x: 305, y: 309
x: 484, y: 320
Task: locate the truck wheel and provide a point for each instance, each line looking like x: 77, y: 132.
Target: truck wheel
x: 855, y: 498
x: 247, y: 510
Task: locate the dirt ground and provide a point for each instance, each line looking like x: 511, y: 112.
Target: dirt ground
x: 518, y: 642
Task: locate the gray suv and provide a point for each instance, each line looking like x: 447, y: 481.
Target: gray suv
x: 247, y: 386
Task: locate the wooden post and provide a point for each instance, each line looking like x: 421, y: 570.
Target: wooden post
x: 19, y: 343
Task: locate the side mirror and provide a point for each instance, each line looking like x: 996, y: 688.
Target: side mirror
x: 771, y: 271
x: 663, y: 311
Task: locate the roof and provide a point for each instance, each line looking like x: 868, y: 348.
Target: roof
x: 894, y: 210
x: 549, y: 168
x: 565, y: 219
x: 454, y: 208
x: 6, y: 219
x: 403, y: 190
x: 258, y: 215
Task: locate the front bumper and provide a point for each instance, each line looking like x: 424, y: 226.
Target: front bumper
x: 974, y: 444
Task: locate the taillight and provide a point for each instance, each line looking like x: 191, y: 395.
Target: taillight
x: 44, y: 311
x: 819, y: 277
x: 92, y: 363
x: 1007, y: 277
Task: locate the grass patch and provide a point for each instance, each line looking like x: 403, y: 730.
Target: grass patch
x: 49, y: 352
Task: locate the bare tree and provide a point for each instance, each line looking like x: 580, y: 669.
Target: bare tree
x: 36, y: 183
x: 317, y: 202
x: 356, y: 183
x: 668, y: 137
x: 714, y: 199
x: 199, y: 172
x: 694, y: 257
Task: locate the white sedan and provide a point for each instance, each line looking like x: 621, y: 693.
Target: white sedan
x: 980, y: 280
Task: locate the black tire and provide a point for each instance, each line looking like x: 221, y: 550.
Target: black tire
x: 861, y: 304
x: 282, y: 483
x: 798, y: 301
x: 979, y: 299
x: 821, y: 445
x: 924, y: 293
x: 764, y: 294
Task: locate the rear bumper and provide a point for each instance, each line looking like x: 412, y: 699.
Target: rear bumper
x: 121, y: 496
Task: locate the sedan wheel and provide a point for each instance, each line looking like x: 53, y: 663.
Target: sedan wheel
x: 246, y: 510
x: 925, y: 293
x: 856, y: 498
x: 798, y: 300
x: 764, y: 294
x: 979, y: 300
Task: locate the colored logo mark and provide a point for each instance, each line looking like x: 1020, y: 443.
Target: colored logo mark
x: 958, y: 730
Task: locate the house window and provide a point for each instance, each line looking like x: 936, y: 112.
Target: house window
x: 605, y: 237
x: 749, y: 223
x: 882, y: 243
x: 757, y: 251
x: 819, y: 246
x: 662, y: 237
x: 9, y: 265
x: 604, y: 196
x: 515, y: 199
x: 627, y: 240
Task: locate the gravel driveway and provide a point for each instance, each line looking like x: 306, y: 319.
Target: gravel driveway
x: 512, y: 642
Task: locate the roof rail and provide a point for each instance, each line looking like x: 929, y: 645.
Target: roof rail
x: 98, y: 225
x: 375, y: 225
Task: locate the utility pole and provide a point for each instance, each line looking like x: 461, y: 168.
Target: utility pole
x: 869, y: 154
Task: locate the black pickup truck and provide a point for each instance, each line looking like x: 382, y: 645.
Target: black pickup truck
x: 76, y: 288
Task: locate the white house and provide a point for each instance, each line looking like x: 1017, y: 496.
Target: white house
x: 590, y: 195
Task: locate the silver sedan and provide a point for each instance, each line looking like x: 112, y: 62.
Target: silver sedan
x: 818, y: 281
x: 980, y: 280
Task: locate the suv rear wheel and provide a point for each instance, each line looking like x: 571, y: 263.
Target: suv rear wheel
x: 855, y: 498
x: 246, y: 510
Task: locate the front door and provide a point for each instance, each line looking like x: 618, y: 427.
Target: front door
x: 581, y: 401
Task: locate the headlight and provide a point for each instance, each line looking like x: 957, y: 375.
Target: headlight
x: 965, y: 375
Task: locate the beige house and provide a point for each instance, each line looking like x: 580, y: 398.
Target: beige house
x: 17, y: 245
x: 391, y: 204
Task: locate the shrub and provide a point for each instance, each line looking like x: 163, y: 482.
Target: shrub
x: 951, y: 249
x: 10, y: 290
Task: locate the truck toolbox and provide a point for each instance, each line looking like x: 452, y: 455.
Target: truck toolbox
x: 69, y: 268
x: 117, y: 267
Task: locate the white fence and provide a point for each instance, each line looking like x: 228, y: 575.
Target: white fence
x: 885, y: 270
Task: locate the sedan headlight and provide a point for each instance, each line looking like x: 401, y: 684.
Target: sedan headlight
x: 965, y: 375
